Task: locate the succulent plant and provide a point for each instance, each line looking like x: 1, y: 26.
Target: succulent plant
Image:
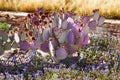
x: 60, y: 34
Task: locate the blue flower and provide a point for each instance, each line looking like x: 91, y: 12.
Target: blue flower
x: 32, y: 55
x: 25, y: 68
x: 21, y: 76
x: 36, y: 74
x: 14, y: 59
x: 93, y: 67
x: 118, y: 56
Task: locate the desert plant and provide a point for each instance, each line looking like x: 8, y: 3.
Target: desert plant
x: 60, y: 34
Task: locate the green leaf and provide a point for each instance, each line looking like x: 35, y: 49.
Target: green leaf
x: 4, y: 26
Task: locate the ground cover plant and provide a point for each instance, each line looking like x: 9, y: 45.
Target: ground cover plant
x: 59, y: 46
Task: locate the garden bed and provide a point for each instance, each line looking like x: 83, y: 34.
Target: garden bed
x: 99, y: 60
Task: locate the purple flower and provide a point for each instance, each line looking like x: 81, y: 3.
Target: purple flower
x: 14, y: 59
x: 20, y: 75
x: 93, y: 67
x: 35, y: 74
x: 25, y: 68
x: 32, y: 55
x: 118, y: 56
